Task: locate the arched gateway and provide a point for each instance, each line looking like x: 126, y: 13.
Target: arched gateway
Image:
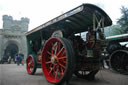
x: 12, y: 38
x: 11, y: 50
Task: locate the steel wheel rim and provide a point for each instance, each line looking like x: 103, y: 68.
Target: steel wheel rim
x: 54, y: 61
x: 30, y: 64
x: 117, y: 62
x: 114, y: 62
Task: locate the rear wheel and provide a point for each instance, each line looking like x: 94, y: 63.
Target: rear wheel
x: 58, y: 60
x: 119, y: 61
x: 31, y: 64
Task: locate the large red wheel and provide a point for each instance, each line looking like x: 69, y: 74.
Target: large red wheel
x: 31, y: 65
x: 58, y: 60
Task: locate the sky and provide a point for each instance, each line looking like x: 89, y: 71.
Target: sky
x: 41, y: 11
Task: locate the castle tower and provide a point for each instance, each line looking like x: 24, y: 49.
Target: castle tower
x: 12, y: 38
x: 7, y: 21
x: 15, y: 25
x: 24, y: 24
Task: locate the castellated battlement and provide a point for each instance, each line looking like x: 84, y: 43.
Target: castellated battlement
x: 24, y: 20
x: 15, y: 25
x: 6, y: 17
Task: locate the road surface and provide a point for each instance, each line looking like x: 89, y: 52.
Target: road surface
x: 11, y: 74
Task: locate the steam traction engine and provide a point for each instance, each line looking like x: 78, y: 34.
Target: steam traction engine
x: 118, y: 53
x: 71, y: 43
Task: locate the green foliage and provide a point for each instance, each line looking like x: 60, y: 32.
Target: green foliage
x: 123, y: 21
x: 113, y: 30
x: 122, y: 24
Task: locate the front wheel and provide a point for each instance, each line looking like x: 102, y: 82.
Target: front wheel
x: 31, y: 65
x: 58, y: 60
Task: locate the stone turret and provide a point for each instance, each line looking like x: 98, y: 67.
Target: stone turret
x: 15, y: 25
x: 7, y: 21
x: 24, y: 24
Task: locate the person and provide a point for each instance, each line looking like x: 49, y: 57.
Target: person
x: 22, y: 61
x: 18, y: 59
x: 9, y: 60
x: 15, y: 60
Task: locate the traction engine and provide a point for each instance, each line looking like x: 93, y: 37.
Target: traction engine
x: 71, y: 43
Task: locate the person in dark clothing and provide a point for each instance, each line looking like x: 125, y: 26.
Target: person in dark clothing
x: 19, y: 59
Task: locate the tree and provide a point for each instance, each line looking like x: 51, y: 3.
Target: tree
x: 112, y: 30
x: 123, y: 21
x: 122, y: 24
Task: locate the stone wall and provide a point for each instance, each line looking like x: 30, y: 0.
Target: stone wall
x: 15, y: 25
x: 0, y: 44
x: 13, y: 33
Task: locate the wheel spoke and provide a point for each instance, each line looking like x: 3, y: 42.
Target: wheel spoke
x: 52, y: 50
x: 62, y: 54
x: 63, y: 57
x: 30, y: 64
x: 50, y: 66
x: 62, y: 71
x: 51, y: 70
x: 62, y: 66
x: 48, y: 62
x: 56, y: 73
x: 56, y: 47
x: 60, y: 51
x: 49, y: 53
x: 59, y: 72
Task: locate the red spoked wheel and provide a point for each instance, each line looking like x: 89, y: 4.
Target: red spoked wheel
x: 31, y: 65
x: 58, y: 60
x: 88, y: 75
